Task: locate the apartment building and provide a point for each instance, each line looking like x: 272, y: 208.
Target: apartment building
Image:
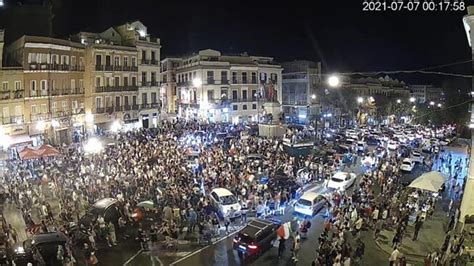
x: 228, y: 88
x: 50, y: 85
x: 168, y: 78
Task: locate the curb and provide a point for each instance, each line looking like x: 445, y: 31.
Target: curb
x: 409, y: 256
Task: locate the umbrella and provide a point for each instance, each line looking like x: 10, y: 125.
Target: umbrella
x: 29, y: 153
x: 431, y: 181
x: 147, y: 204
x: 48, y: 150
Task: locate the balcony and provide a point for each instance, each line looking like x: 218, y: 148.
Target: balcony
x: 254, y: 81
x: 108, y: 68
x: 154, y: 62
x: 145, y: 62
x: 67, y: 91
x: 76, y: 68
x: 211, y: 81
x: 5, y: 95
x: 155, y: 105
x: 38, y: 93
x: 60, y: 114
x: 118, y: 108
x: 150, y: 84
x: 184, y: 83
x: 224, y: 81
x: 38, y: 117
x: 99, y: 68
x: 109, y: 109
x: 12, y: 119
x: 116, y: 88
x: 135, y: 107
x: 18, y: 94
x: 127, y: 107
x: 45, y: 66
x: 99, y: 110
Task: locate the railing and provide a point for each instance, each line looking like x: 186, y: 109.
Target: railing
x: 118, y: 108
x: 150, y: 83
x: 5, y: 95
x: 39, y: 93
x: 224, y: 81
x: 99, y: 68
x: 127, y: 107
x: 154, y: 62
x: 44, y: 66
x: 109, y: 109
x: 116, y: 88
x: 135, y: 107
x: 12, y: 119
x: 99, y: 110
x: 155, y: 105
x: 60, y: 114
x: 67, y: 91
x: 145, y: 106
x: 239, y: 100
x: 145, y: 61
x: 211, y: 81
x: 108, y: 68
x: 38, y: 117
x: 76, y: 68
x: 184, y: 83
x: 18, y: 94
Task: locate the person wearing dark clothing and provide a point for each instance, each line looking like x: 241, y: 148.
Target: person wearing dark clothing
x: 418, y: 225
x: 281, y: 247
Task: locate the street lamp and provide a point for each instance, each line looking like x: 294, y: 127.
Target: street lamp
x: 89, y: 118
x: 334, y: 81
x: 399, y: 101
x: 360, y: 100
x: 439, y: 105
x: 197, y: 82
x: 432, y: 103
x: 412, y: 99
x: 93, y: 145
x: 115, y: 126
x: 313, y: 96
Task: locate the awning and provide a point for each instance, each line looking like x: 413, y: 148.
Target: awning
x: 431, y: 181
x: 16, y: 140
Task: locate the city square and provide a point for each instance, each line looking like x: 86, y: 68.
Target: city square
x: 252, y: 141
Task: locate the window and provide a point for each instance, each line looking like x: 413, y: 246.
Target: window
x: 18, y: 110
x: 98, y: 102
x: 153, y: 97
x: 144, y: 98
x: 64, y: 105
x: 125, y: 61
x: 33, y: 87
x: 17, y: 85
x: 125, y: 100
x: 234, y: 77
x: 117, y: 81
x: 153, y: 57
x: 210, y: 95
x: 143, y: 78
x: 73, y: 61
x: 44, y: 85
x: 81, y: 63
x: 134, y: 81
x: 224, y: 79
x: 254, y: 78
x: 254, y: 106
x: 153, y: 77
x: 5, y: 86
x: 33, y: 109
x: 263, y: 77
x: 31, y: 58
x: 134, y: 100
x: 224, y: 94
x: 81, y: 83
x: 107, y: 60
x: 117, y: 100
x: 244, y: 95
x: 98, y: 60
x: 254, y: 95
x: 244, y: 77
x: 74, y: 105
x: 244, y: 107
x: 235, y: 107
x: 210, y: 77
x: 234, y: 95
x: 97, y: 81
x: 273, y: 78
x: 134, y: 61
x: 54, y: 107
x: 143, y: 55
x: 54, y: 59
x: 44, y: 109
x: 66, y: 60
x: 125, y: 81
x: 73, y: 84
x: 116, y: 61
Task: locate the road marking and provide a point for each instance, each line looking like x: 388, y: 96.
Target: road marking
x: 133, y: 257
x: 201, y: 249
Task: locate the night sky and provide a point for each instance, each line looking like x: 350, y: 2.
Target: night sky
x: 337, y: 32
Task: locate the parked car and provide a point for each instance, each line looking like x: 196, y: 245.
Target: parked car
x: 342, y: 180
x: 416, y: 157
x: 46, y: 244
x: 223, y: 201
x: 256, y: 237
x: 310, y: 203
x: 407, y: 165
x: 107, y: 208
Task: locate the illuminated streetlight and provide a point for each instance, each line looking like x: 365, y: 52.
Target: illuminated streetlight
x: 412, y: 99
x: 41, y: 125
x: 333, y: 81
x: 89, y: 118
x: 439, y: 105
x: 313, y: 96
x: 432, y: 103
x: 197, y: 82
x: 93, y: 145
x: 54, y: 123
x: 360, y: 99
x: 399, y: 101
x: 115, y: 126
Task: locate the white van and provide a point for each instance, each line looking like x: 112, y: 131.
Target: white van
x: 310, y: 203
x: 223, y: 200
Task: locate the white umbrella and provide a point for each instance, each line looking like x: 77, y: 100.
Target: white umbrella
x: 431, y: 181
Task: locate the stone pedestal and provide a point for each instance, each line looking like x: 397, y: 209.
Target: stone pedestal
x: 273, y: 108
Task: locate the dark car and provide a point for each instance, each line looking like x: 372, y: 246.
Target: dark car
x: 46, y: 244
x: 255, y: 238
x: 107, y: 208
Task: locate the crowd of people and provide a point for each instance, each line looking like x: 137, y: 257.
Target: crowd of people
x: 151, y: 165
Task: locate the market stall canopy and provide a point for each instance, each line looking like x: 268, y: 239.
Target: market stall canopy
x: 29, y: 153
x: 431, y: 181
x: 48, y: 150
